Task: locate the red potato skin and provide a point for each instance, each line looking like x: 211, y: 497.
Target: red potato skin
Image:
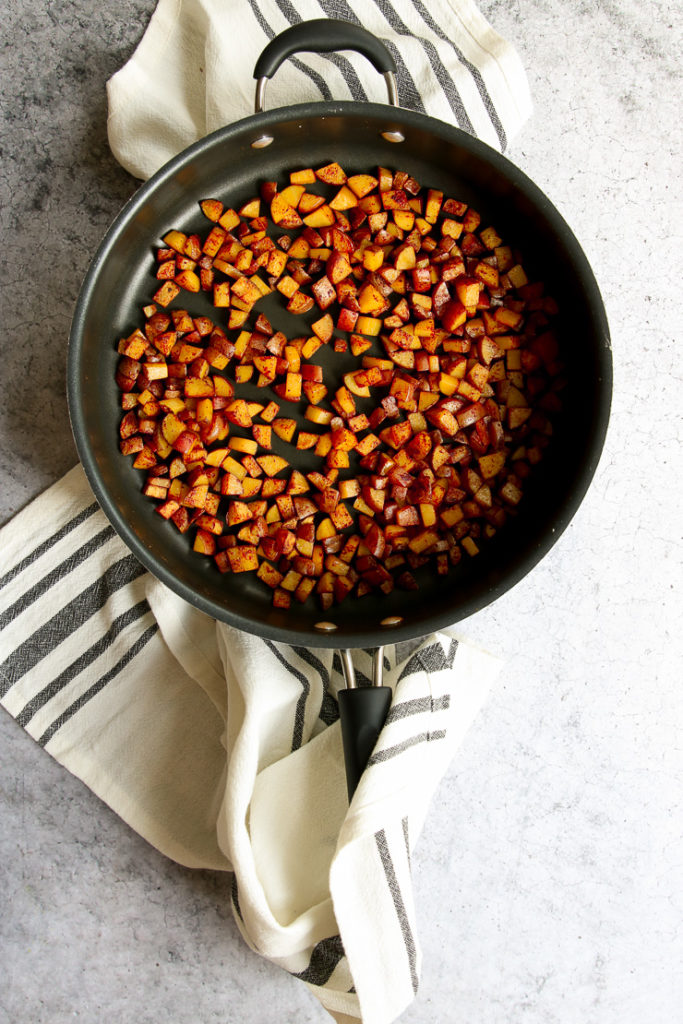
x: 424, y: 446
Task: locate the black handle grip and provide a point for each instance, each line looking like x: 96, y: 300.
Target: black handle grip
x: 323, y: 35
x: 362, y: 711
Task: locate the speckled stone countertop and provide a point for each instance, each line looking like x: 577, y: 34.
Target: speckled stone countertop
x: 548, y: 876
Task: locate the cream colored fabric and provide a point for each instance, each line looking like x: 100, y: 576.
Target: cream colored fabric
x: 193, y: 71
x: 223, y: 749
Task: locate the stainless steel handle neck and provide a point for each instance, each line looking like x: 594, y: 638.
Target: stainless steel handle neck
x: 349, y: 671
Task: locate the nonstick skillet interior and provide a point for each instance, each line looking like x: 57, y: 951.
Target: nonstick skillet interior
x: 225, y: 165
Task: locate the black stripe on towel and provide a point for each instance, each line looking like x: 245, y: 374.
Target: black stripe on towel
x: 99, y: 685
x: 324, y: 959
x: 49, y: 543
x: 440, y: 72
x: 472, y: 68
x: 329, y: 710
x: 300, y: 711
x: 395, y: 890
x: 86, y: 658
x: 417, y: 707
x: 317, y: 79
x: 67, y: 566
x: 66, y: 621
x: 408, y: 91
x: 343, y: 63
x: 430, y: 659
x: 235, y: 897
x: 399, y: 748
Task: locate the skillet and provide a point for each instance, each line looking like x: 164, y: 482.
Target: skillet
x: 229, y: 164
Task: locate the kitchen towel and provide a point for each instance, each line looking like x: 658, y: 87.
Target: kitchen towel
x: 193, y: 70
x: 221, y: 749
x: 224, y: 751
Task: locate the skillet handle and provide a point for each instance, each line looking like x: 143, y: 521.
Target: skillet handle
x: 324, y: 35
x: 362, y: 713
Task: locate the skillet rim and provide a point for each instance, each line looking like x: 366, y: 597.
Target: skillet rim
x: 394, y: 118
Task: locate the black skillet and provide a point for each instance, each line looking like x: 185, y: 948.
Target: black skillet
x: 230, y: 164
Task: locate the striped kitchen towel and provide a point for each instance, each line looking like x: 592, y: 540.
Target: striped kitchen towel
x: 451, y: 64
x: 223, y: 750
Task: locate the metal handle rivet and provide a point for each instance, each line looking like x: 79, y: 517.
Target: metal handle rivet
x: 392, y: 620
x: 325, y: 627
